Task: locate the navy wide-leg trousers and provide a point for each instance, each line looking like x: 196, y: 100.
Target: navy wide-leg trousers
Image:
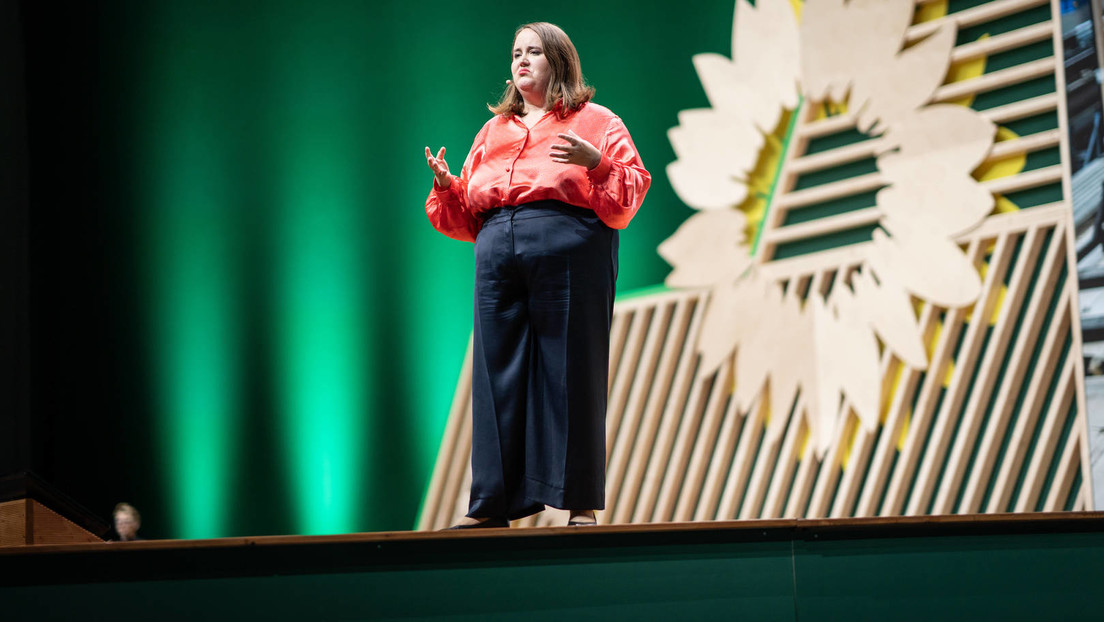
x: 545, y: 275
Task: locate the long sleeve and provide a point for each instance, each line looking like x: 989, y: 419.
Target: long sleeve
x: 448, y: 208
x: 510, y: 164
x: 619, y: 182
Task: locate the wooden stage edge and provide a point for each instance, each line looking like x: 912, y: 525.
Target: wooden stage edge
x: 263, y: 555
x: 867, y: 527
x: 1007, y: 566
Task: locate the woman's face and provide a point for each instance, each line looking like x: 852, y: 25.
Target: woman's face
x: 530, y: 70
x: 125, y: 525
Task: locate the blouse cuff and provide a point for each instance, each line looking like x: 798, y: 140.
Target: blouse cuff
x: 440, y: 190
x: 599, y: 173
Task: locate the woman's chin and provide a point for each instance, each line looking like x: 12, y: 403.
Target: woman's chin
x: 525, y: 84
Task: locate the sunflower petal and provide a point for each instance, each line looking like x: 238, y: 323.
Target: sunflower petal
x: 929, y: 267
x: 707, y: 249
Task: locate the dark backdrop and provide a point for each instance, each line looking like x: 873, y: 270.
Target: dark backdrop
x: 239, y: 318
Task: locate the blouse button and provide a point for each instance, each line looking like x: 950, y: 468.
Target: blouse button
x: 507, y: 169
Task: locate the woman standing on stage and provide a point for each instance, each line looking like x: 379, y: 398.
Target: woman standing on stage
x: 547, y: 183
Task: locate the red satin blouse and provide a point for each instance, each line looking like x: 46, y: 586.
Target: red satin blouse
x: 509, y: 164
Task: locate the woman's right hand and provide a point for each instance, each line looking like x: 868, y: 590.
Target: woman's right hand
x: 440, y: 167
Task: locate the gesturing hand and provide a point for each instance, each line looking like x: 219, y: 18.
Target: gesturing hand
x: 439, y: 167
x: 577, y: 151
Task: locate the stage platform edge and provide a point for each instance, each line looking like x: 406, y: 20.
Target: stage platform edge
x: 1011, y: 566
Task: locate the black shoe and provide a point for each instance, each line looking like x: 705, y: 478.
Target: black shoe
x: 490, y: 523
x: 582, y: 523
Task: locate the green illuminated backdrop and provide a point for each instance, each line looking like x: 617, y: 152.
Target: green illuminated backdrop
x: 303, y: 324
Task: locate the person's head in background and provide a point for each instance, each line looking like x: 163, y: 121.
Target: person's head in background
x: 127, y: 522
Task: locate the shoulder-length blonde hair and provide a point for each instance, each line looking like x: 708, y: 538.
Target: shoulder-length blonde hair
x: 566, y: 87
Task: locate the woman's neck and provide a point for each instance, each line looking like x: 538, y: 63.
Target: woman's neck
x: 533, y: 106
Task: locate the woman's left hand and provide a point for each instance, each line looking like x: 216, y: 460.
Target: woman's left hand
x: 577, y: 151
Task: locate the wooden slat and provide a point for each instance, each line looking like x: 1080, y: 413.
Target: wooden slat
x: 1023, y: 181
x: 996, y: 80
x: 619, y: 332
x: 760, y: 470
x: 1058, y: 43
x: 1001, y: 114
x: 873, y: 181
x: 768, y: 454
x: 1081, y: 505
x: 838, y: 156
x: 878, y: 469
x: 1048, y: 438
x: 1003, y: 42
x: 703, y: 440
x: 632, y: 304
x: 731, y: 430
x: 705, y: 445
x: 828, y: 126
x: 830, y: 191
x: 706, y: 390
x: 831, y: 464
x: 626, y: 373
x: 841, y: 257
x: 780, y: 480
x: 750, y: 438
x: 655, y: 463
x: 951, y: 408
x: 871, y: 148
x: 869, y: 216
x: 803, y: 484
x: 855, y: 470
x: 621, y: 439
x: 679, y: 345
x: 810, y: 465
x: 1081, y: 415
x: 923, y: 414
x: 987, y: 373
x: 1042, y: 293
x: 853, y: 478
x: 973, y: 16
x: 1068, y: 465
x: 1045, y: 368
x: 1022, y: 109
x: 824, y: 226
x: 460, y: 473
x: 1019, y: 221
x: 1025, y: 144
x: 941, y: 436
